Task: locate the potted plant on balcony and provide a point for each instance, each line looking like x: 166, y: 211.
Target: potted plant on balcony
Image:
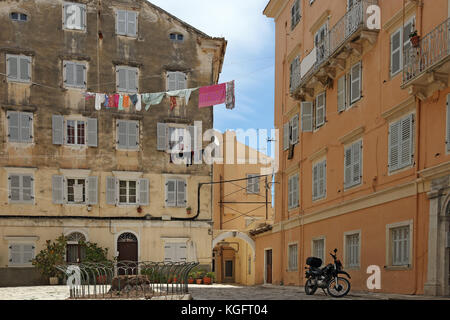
x: 188, y: 210
x: 191, y: 278
x: 199, y: 277
x: 414, y: 38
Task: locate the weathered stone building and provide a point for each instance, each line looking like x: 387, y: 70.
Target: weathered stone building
x: 67, y: 168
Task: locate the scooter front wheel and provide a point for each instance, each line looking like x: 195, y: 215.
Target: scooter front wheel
x: 310, y: 288
x: 339, y: 290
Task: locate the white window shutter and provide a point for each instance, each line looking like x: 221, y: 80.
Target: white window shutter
x: 406, y: 138
x: 131, y: 23
x: 92, y: 190
x: 69, y: 73
x: 121, y: 22
x: 171, y: 193
x: 356, y: 83
x: 181, y: 193
x: 394, y: 143
x: 348, y: 168
x: 58, y: 129
x: 162, y: 136
x: 144, y: 192
x: 25, y: 68
x: 14, y: 187
x: 316, y: 182
x: 320, y: 109
x: 341, y: 94
x: 169, y: 252
x: 396, y: 51
x: 111, y: 191
x: 294, y: 129
x: 307, y: 116
x: 121, y: 79
x: 80, y: 75
x: 15, y: 254
x: 286, y: 137
x: 122, y: 134
x: 357, y: 163
x: 13, y: 126
x: 58, y: 189
x: 132, y: 83
x: 171, y: 81
x: 448, y: 122
x: 322, y: 179
x: 181, y: 81
x: 26, y: 127
x: 133, y: 135
x: 12, y: 67
x: 92, y: 132
x: 27, y: 188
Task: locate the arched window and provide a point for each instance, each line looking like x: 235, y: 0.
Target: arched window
x: 127, y: 237
x: 75, y: 252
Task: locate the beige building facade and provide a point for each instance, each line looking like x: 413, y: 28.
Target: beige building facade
x: 101, y: 175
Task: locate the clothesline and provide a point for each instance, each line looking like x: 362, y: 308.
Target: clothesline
x: 208, y: 96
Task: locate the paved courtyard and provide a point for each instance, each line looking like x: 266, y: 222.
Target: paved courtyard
x: 213, y: 292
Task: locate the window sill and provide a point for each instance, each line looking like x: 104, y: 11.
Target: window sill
x: 127, y: 150
x: 398, y: 268
x: 21, y: 203
x: 352, y: 188
x: 400, y: 170
x: 19, y: 82
x: 20, y: 266
x: 356, y: 268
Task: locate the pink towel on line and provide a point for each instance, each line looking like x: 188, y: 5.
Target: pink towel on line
x: 212, y: 95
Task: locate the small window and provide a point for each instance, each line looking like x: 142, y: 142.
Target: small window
x: 20, y: 127
x: 74, y: 16
x: 18, y: 68
x: 176, y: 81
x: 318, y: 249
x: 400, y: 246
x: 352, y: 249
x: 74, y: 74
x: 176, y: 37
x: 401, y: 143
x: 253, y: 184
x: 21, y: 188
x: 127, y: 135
x: 176, y: 193
x: 16, y: 16
x: 127, y: 79
x: 293, y: 257
x: 76, y: 132
x: 76, y: 191
x: 127, y: 192
x: 126, y: 23
x: 21, y: 254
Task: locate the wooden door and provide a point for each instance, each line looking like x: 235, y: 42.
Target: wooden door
x: 269, y: 266
x: 127, y: 246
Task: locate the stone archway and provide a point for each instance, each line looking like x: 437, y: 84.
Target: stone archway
x: 235, y: 234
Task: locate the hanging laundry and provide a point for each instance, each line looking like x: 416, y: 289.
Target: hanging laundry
x: 121, y: 102
x: 106, y: 101
x: 185, y: 93
x: 89, y: 95
x: 99, y: 99
x: 126, y: 101
x: 116, y: 100
x: 111, y: 101
x: 173, y: 103
x: 138, y: 104
x: 231, y: 100
x: 134, y: 99
x: 150, y: 99
x: 212, y: 95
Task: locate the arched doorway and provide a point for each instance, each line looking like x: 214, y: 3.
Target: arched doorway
x: 75, y: 252
x: 127, y: 246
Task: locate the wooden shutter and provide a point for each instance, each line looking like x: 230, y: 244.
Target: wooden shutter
x: 290, y: 189
x: 171, y: 193
x: 356, y: 83
x: 133, y: 135
x: 169, y: 252
x: 132, y: 81
x: 80, y: 79
x: 294, y: 129
x: 396, y: 52
x: 26, y: 127
x: 307, y: 116
x: 348, y: 172
x: 15, y: 254
x: 286, y: 137
x: 12, y: 67
x: 69, y: 73
x: 122, y: 134
x: 92, y: 190
x: 406, y: 142
x: 14, y: 188
x: 144, y: 192
x: 121, y: 79
x: 394, y: 143
x: 121, y: 25
x: 341, y: 94
x: 13, y: 126
x: 181, y: 81
x: 322, y: 179
x: 58, y: 189
x: 131, y: 23
x: 25, y: 68
x: 356, y: 163
x: 161, y: 136
x: 316, y: 182
x: 320, y: 109
x: 27, y: 188
x: 92, y: 132
x: 181, y: 193
x: 111, y: 191
x: 171, y: 81
x: 28, y: 253
x: 58, y: 129
x: 448, y: 122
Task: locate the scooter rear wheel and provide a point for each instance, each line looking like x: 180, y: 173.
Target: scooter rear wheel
x: 310, y: 289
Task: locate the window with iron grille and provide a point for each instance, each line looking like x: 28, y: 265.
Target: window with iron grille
x: 400, y: 246
x: 293, y: 257
x: 352, y: 250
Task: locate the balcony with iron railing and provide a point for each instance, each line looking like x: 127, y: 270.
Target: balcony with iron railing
x: 343, y: 39
x: 426, y: 65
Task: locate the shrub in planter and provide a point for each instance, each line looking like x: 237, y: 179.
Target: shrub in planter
x: 208, y: 278
x: 414, y: 38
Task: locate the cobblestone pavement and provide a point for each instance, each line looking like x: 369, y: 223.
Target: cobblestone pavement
x: 213, y: 292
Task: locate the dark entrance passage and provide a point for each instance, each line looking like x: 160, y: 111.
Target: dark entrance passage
x: 127, y: 245
x: 269, y: 266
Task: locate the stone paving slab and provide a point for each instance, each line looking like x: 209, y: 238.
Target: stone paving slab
x: 215, y: 292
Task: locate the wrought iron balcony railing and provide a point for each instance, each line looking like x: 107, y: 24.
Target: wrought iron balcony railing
x: 346, y: 29
x: 432, y: 50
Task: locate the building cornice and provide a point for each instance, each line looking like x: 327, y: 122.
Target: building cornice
x: 274, y: 8
x: 410, y: 9
x: 435, y: 172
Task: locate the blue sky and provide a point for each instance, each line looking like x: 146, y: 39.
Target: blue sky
x: 249, y: 58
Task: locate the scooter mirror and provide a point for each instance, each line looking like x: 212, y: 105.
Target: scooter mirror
x: 335, y: 250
